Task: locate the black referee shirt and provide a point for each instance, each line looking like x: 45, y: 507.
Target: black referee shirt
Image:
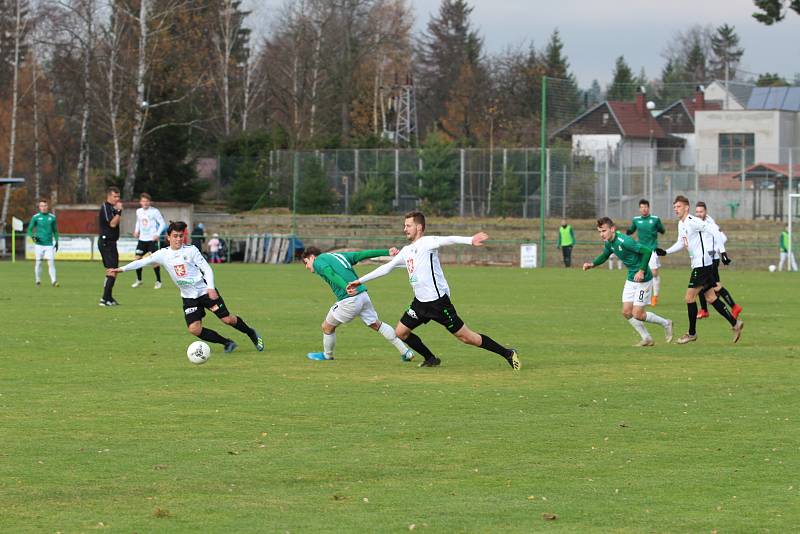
x: 105, y: 229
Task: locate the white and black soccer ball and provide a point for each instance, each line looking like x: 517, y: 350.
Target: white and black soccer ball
x: 772, y: 268
x: 198, y: 352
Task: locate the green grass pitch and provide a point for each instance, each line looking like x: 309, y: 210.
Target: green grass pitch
x: 106, y: 426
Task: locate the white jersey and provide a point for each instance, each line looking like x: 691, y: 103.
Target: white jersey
x: 719, y: 237
x: 186, y: 266
x: 697, y: 236
x: 421, y: 260
x: 149, y: 223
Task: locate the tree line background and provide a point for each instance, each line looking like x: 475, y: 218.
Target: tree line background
x: 130, y: 92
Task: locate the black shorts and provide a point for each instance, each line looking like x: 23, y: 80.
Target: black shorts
x: 195, y: 309
x: 703, y: 277
x: 109, y: 253
x: 440, y: 310
x: 143, y: 247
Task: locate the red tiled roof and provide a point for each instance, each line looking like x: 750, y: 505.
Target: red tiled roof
x: 634, y: 124
x: 691, y: 106
x: 775, y: 168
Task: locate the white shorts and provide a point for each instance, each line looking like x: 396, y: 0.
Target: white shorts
x: 44, y: 252
x: 637, y: 292
x: 654, y: 262
x: 348, y: 309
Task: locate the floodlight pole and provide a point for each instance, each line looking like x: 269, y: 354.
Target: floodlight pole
x: 542, y: 168
x: 792, y: 196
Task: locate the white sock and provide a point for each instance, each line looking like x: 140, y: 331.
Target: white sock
x: 328, y: 344
x: 639, y: 327
x: 388, y: 332
x: 37, y: 270
x: 653, y: 318
x: 51, y: 269
x: 656, y: 285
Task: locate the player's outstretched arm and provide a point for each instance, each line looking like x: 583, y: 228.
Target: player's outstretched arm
x: 678, y: 245
x: 383, y: 270
x: 137, y: 264
x: 479, y: 238
x: 587, y: 266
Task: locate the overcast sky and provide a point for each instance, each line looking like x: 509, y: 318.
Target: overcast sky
x: 596, y: 32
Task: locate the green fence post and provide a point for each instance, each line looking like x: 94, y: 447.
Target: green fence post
x: 542, y: 168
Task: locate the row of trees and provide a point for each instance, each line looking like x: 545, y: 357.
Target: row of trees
x: 130, y: 91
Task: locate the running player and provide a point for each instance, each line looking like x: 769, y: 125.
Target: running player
x: 696, y: 236
x: 431, y: 292
x: 149, y: 225
x: 647, y: 227
x: 639, y: 284
x: 43, y: 230
x: 701, y: 212
x: 336, y: 268
x: 195, y: 280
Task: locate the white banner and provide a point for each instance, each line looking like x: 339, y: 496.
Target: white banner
x: 69, y: 248
x: 528, y: 256
x: 16, y: 224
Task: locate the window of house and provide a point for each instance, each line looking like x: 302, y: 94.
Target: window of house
x: 605, y: 119
x: 735, y: 151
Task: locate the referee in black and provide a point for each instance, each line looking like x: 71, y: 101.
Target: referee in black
x: 109, y: 219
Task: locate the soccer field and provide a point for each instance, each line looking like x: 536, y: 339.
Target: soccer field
x: 106, y: 425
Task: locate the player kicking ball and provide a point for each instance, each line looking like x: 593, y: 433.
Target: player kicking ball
x: 195, y: 280
x: 431, y: 292
x: 336, y: 268
x: 638, y: 286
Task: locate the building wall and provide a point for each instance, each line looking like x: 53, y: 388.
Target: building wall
x: 787, y: 125
x: 709, y: 124
x: 716, y: 92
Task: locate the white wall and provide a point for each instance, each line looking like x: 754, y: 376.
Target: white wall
x: 716, y: 92
x: 594, y: 145
x: 709, y: 124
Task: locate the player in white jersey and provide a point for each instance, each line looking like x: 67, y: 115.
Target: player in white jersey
x: 191, y: 273
x: 701, y: 212
x: 697, y: 236
x: 431, y: 292
x: 149, y: 225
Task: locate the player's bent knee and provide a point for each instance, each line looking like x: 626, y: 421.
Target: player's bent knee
x: 195, y: 328
x: 229, y: 319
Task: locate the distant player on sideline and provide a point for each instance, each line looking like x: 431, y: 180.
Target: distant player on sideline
x: 697, y: 237
x: 149, y: 225
x: 639, y: 284
x: 431, y: 292
x: 791, y: 262
x: 336, y: 268
x: 43, y: 230
x: 647, y: 227
x: 195, y: 280
x: 701, y: 212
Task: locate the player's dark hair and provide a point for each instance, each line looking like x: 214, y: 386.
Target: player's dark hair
x: 418, y: 217
x: 644, y: 202
x: 43, y: 200
x: 176, y: 226
x: 112, y: 189
x: 701, y: 204
x: 145, y: 195
x: 682, y: 199
x: 311, y: 251
x: 605, y: 220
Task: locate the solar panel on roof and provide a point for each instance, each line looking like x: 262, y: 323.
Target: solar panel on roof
x: 792, y: 100
x: 780, y: 98
x: 775, y: 98
x: 757, y: 98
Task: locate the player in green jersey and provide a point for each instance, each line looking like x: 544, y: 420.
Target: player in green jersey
x: 336, y: 268
x: 43, y: 230
x: 647, y: 227
x: 636, y: 293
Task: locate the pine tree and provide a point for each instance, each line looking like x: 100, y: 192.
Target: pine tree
x: 673, y: 85
x: 696, y: 66
x: 727, y: 53
x: 623, y: 86
x: 773, y: 11
x: 564, y: 99
x: 438, y: 177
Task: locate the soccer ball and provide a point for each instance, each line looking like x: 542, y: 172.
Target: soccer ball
x: 198, y: 352
x: 772, y: 268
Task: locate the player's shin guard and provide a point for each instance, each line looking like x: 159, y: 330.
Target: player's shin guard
x: 328, y: 344
x: 692, y: 310
x: 639, y: 327
x: 656, y: 285
x: 726, y: 296
x: 418, y: 346
x: 108, y: 287
x: 139, y: 274
x: 724, y: 311
x: 491, y: 345
x: 37, y: 270
x: 51, y: 270
x: 242, y: 327
x: 157, y: 270
x: 703, y: 302
x: 206, y: 334
x: 388, y: 332
x: 657, y: 319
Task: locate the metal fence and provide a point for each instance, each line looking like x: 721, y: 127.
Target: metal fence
x: 736, y: 183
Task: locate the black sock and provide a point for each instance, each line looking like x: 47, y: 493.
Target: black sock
x: 419, y: 347
x: 726, y: 296
x: 206, y: 334
x: 158, y: 273
x: 139, y: 274
x: 723, y: 311
x: 692, y: 309
x: 703, y: 302
x: 491, y: 345
x: 108, y: 286
x: 242, y: 327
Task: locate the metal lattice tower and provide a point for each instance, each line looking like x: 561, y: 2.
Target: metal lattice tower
x: 400, y: 113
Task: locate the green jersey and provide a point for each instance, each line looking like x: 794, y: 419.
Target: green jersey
x: 336, y: 268
x: 633, y: 254
x: 784, y: 242
x: 43, y: 229
x: 647, y: 229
